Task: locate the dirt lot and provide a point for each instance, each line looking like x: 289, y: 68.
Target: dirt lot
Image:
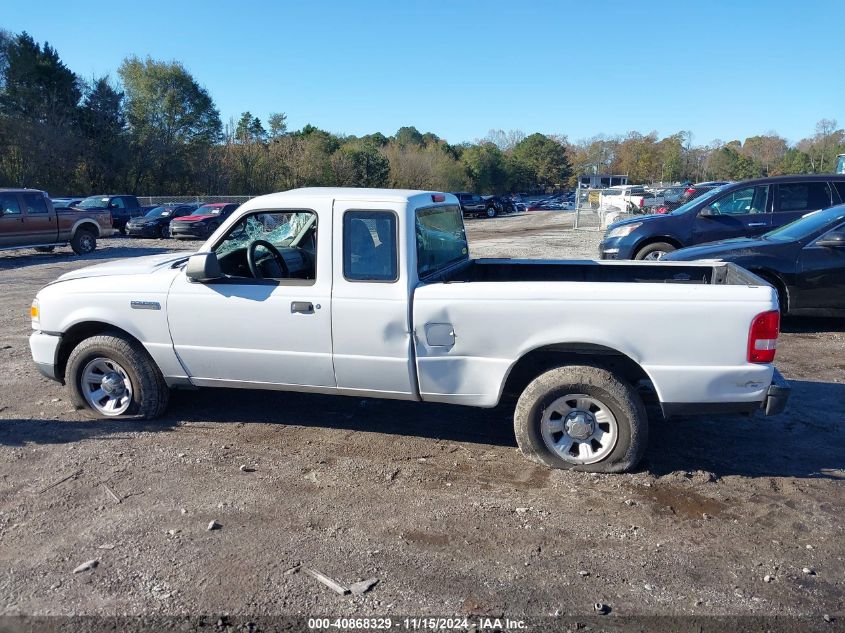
x: 434, y: 501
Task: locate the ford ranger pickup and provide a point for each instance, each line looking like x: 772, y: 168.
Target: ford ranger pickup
x: 372, y: 293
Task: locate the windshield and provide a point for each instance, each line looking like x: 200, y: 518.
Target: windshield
x: 806, y: 226
x: 279, y: 228
x: 208, y: 210
x: 441, y: 239
x: 94, y: 202
x: 695, y: 201
x: 159, y: 212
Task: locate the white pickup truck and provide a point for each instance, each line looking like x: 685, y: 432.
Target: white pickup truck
x: 372, y: 293
x: 630, y: 199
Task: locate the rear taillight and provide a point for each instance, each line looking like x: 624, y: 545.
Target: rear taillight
x: 642, y: 203
x: 689, y: 191
x: 763, y: 337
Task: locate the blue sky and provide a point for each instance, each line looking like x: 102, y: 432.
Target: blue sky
x: 460, y: 68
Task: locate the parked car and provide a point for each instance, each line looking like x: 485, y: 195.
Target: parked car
x: 673, y: 195
x: 29, y: 220
x: 65, y: 203
x: 203, y: 221
x: 474, y: 205
x: 502, y: 204
x: 840, y: 164
x: 121, y: 207
x: 557, y: 204
x: 804, y: 261
x: 740, y: 209
x: 156, y: 222
x: 384, y: 302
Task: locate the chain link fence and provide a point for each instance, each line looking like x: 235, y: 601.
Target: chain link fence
x: 588, y: 212
x: 154, y: 201
x: 592, y: 213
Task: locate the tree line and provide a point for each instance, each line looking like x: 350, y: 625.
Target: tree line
x: 154, y: 130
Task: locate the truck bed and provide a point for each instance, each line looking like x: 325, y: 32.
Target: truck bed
x: 522, y: 270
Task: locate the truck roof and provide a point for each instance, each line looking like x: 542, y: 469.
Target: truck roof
x: 349, y: 193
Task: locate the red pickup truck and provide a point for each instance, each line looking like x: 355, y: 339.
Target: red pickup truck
x: 29, y: 220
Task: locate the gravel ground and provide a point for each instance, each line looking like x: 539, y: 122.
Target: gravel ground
x: 730, y: 517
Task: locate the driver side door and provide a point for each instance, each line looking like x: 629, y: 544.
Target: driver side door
x: 242, y: 331
x: 739, y: 213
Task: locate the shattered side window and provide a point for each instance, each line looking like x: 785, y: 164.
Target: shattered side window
x: 278, y: 228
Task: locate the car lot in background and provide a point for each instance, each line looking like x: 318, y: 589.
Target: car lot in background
x: 203, y: 221
x: 803, y: 260
x: 156, y: 222
x: 742, y: 209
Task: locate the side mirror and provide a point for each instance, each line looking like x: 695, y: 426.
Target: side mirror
x: 203, y: 267
x: 834, y: 239
x: 708, y: 212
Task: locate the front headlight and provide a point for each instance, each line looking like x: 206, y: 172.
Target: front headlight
x: 625, y: 229
x: 35, y: 314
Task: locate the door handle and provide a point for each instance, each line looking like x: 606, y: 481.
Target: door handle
x: 301, y: 307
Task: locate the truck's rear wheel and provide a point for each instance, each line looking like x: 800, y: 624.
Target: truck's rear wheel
x: 581, y: 417
x: 83, y: 242
x: 653, y: 251
x: 113, y: 376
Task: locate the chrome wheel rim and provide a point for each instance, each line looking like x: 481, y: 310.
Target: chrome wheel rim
x: 86, y: 243
x: 579, y: 429
x: 106, y: 386
x: 653, y: 255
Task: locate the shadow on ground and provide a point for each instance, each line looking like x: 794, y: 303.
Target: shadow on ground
x: 806, y: 441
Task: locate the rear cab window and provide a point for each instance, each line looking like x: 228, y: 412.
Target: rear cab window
x: 441, y: 240
x: 35, y: 203
x: 370, y: 246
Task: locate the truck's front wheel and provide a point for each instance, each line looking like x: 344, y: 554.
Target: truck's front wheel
x: 113, y: 376
x: 581, y: 417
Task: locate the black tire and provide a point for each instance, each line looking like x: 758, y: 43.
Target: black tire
x: 655, y: 250
x: 164, y: 233
x: 491, y: 212
x: 212, y: 227
x: 45, y: 249
x: 83, y: 242
x: 599, y: 384
x: 150, y: 392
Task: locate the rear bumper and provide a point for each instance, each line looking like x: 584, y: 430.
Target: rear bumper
x: 44, y: 347
x: 774, y: 402
x: 777, y: 395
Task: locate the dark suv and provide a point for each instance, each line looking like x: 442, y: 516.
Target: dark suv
x: 122, y: 208
x: 473, y: 204
x: 739, y: 209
